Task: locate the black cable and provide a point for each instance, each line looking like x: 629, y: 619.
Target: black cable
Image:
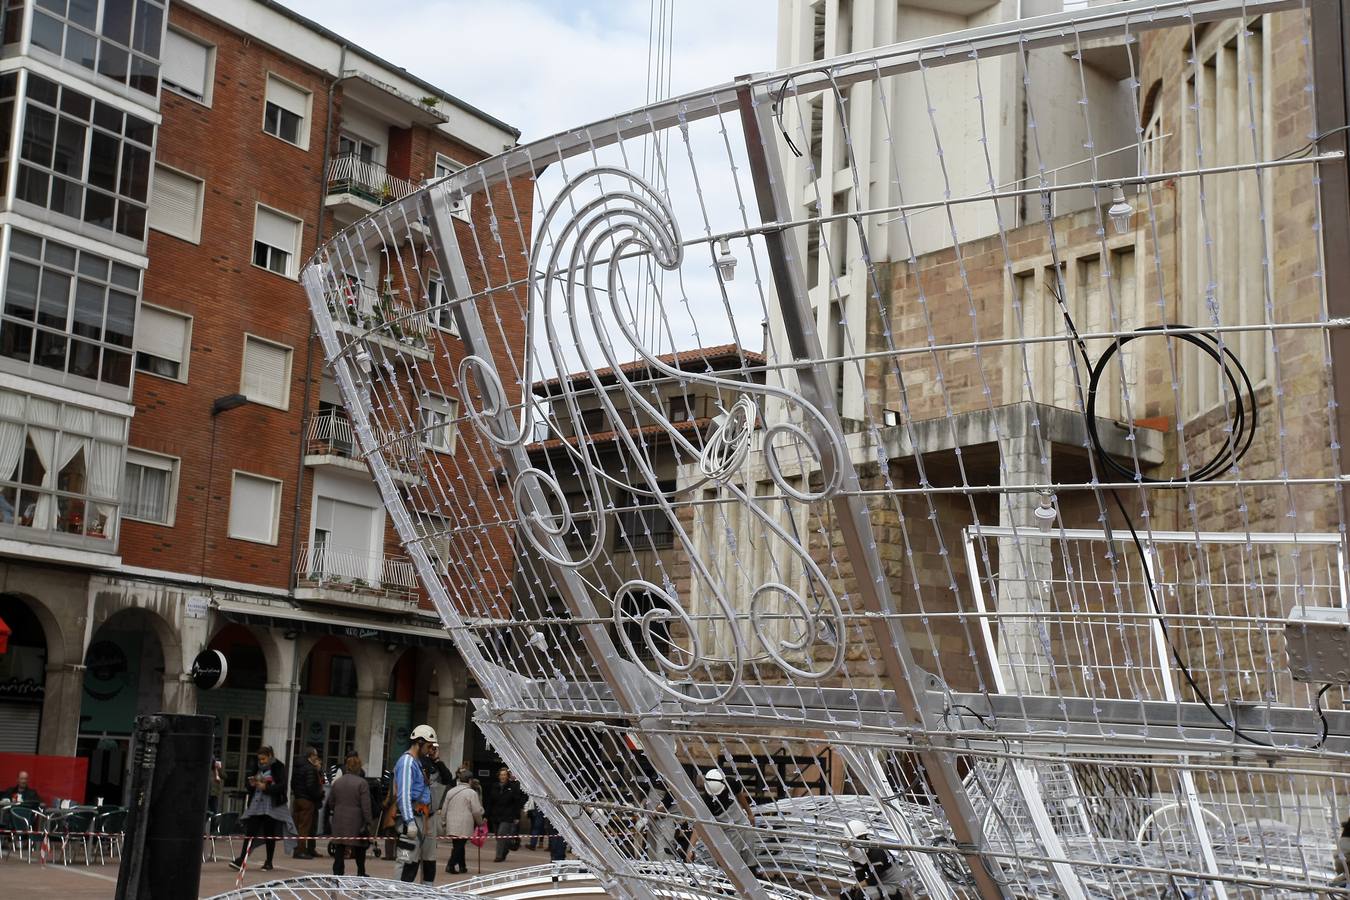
x: 1317, y: 705
x: 1239, y: 442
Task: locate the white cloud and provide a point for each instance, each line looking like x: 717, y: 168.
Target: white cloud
x: 546, y: 67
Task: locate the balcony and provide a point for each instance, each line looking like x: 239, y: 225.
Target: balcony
x: 357, y: 187
x: 384, y: 319
x: 343, y: 576
x: 329, y: 441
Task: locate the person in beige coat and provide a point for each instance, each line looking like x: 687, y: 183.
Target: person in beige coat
x: 462, y: 813
x: 353, y: 821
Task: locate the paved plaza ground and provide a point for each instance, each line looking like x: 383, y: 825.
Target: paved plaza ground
x: 24, y: 881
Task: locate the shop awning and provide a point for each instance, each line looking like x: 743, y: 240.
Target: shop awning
x: 310, y: 622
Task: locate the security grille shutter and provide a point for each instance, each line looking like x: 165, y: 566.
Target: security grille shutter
x: 275, y: 230
x: 175, y: 204
x: 185, y: 63
x: 286, y: 96
x: 265, y: 372
x: 253, y: 505
x: 19, y: 727
x: 161, y: 333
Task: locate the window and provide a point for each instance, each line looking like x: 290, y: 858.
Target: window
x: 1222, y: 242
x: 254, y: 504
x: 1100, y: 302
x: 118, y: 39
x: 643, y: 525
x: 163, y: 340
x: 84, y: 159
x: 9, y: 85
x: 64, y: 465
x: 276, y: 240
x: 187, y: 66
x: 286, y: 111
x: 438, y: 302
x: 437, y: 423
x: 447, y: 166
x: 68, y: 310
x: 680, y: 408
x: 149, y: 486
x: 267, y: 372
x: 176, y: 204
x: 349, y: 145
x: 434, y: 534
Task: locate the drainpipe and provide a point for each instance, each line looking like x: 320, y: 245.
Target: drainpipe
x: 309, y: 341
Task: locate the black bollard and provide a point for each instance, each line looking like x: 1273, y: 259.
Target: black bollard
x: 170, y: 774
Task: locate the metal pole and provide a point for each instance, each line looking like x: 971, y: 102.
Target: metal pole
x: 1331, y: 68
x: 630, y: 691
x: 850, y: 510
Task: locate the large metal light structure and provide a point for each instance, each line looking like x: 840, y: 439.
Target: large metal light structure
x: 814, y: 560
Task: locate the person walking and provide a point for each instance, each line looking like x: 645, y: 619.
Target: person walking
x: 306, y: 797
x: 353, y: 819
x: 412, y: 803
x: 504, y: 809
x: 463, y: 814
x: 439, y: 781
x: 266, y: 813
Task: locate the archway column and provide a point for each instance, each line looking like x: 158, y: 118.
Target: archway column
x: 61, y: 711
x: 282, y: 691
x: 372, y: 715
x: 451, y: 720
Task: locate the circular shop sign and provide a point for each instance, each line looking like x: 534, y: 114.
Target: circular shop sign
x: 209, y: 670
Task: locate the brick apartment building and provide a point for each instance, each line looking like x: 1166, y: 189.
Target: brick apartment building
x: 197, y: 487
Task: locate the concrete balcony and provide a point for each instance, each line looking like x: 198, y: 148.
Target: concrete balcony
x: 329, y: 441
x: 342, y: 576
x: 357, y: 187
x: 386, y: 321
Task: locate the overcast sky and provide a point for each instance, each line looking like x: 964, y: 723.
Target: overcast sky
x: 548, y: 65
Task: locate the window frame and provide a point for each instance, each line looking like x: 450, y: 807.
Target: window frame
x: 446, y: 406
x: 443, y: 318
x: 187, y: 344
x: 291, y: 273
x: 276, y: 507
x: 286, y: 379
x: 196, y: 237
x: 210, y: 78
x: 302, y: 131
x: 172, y: 465
x: 459, y: 209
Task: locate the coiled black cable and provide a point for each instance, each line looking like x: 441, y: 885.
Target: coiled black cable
x: 1229, y: 455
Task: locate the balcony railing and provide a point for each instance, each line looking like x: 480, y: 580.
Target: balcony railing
x: 385, y: 312
x: 370, y: 181
x: 330, y: 433
x: 358, y: 570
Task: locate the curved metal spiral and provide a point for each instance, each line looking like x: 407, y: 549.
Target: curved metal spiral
x: 635, y: 221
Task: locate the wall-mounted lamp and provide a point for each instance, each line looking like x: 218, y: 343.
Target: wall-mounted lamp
x: 290, y: 634
x: 228, y: 402
x: 1121, y: 212
x: 726, y: 263
x: 1045, y: 512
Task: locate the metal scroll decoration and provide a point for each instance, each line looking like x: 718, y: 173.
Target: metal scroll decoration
x: 601, y: 218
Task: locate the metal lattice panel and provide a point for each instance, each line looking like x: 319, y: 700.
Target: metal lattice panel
x: 938, y: 437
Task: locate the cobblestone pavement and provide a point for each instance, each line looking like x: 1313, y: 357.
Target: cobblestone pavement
x: 24, y: 881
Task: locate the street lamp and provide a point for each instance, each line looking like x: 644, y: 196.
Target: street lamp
x: 218, y: 406
x: 1121, y: 212
x: 228, y: 402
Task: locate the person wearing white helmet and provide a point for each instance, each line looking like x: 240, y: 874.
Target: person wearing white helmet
x: 875, y: 870
x: 412, y: 800
x: 725, y: 805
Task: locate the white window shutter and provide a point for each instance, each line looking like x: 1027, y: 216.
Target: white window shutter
x: 276, y: 230
x: 253, y: 508
x: 161, y: 333
x: 186, y: 63
x: 287, y: 96
x: 175, y: 204
x: 266, y: 372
